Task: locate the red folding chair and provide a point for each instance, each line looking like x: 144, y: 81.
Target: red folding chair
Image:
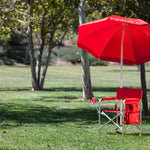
x: 130, y: 114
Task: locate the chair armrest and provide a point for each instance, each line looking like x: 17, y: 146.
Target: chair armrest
x: 104, y: 99
x: 108, y: 98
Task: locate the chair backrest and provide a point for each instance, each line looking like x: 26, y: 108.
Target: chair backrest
x: 123, y: 93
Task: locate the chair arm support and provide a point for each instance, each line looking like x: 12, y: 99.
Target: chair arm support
x: 108, y: 98
x: 100, y: 100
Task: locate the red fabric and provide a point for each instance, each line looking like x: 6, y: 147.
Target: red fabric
x: 123, y: 93
x: 109, y: 98
x: 102, y: 38
x: 132, y: 111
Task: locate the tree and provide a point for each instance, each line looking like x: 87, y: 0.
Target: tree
x: 50, y: 21
x: 143, y: 85
x: 85, y: 9
x: 86, y: 78
x: 54, y: 23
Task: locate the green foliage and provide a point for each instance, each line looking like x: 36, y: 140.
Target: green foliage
x: 139, y: 9
x: 4, y: 41
x: 70, y: 54
x: 96, y: 62
x: 5, y: 60
x: 44, y: 58
x: 15, y: 48
x: 73, y: 55
x: 18, y: 48
x: 19, y: 54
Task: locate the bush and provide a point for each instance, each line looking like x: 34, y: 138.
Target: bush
x: 17, y: 49
x: 96, y: 62
x: 5, y: 60
x: 19, y: 54
x: 14, y: 48
x: 44, y: 56
x: 70, y: 54
x: 73, y: 55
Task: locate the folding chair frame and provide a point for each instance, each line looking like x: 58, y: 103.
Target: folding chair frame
x: 122, y: 94
x: 118, y: 114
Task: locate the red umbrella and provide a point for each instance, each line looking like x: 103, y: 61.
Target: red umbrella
x: 116, y: 39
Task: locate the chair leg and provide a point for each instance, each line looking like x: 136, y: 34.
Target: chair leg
x: 99, y: 116
x: 139, y: 128
x: 140, y: 117
x: 121, y: 109
x: 111, y: 120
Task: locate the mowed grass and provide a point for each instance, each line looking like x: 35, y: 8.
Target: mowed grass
x: 57, y: 118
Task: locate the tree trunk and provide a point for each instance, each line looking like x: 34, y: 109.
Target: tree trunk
x: 86, y: 78
x: 39, y: 59
x: 31, y: 49
x: 40, y: 52
x: 143, y: 85
x: 47, y: 61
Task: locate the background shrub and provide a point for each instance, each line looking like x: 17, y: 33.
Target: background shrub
x: 5, y: 60
x: 73, y: 55
x: 15, y: 49
x: 52, y: 58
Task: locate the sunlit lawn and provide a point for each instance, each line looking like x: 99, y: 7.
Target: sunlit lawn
x: 58, y: 118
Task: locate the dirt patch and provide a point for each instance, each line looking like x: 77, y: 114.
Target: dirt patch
x: 18, y: 64
x: 113, y: 64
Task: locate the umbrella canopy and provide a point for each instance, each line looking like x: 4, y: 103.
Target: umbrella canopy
x: 116, y: 39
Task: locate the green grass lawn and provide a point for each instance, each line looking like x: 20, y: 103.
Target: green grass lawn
x: 57, y: 118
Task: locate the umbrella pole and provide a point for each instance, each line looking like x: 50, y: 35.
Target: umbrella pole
x: 121, y: 69
x: 121, y: 61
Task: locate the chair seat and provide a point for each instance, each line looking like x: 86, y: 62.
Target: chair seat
x: 113, y: 111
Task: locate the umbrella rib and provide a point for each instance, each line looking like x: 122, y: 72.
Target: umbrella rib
x: 140, y: 32
x: 131, y: 38
x: 111, y: 39
x: 130, y: 42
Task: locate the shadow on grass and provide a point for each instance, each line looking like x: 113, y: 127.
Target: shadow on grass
x: 68, y: 89
x: 133, y: 134
x: 12, y: 115
x: 137, y: 134
x: 76, y: 89
x: 18, y: 114
x: 15, y: 89
x: 146, y: 120
x: 104, y: 89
